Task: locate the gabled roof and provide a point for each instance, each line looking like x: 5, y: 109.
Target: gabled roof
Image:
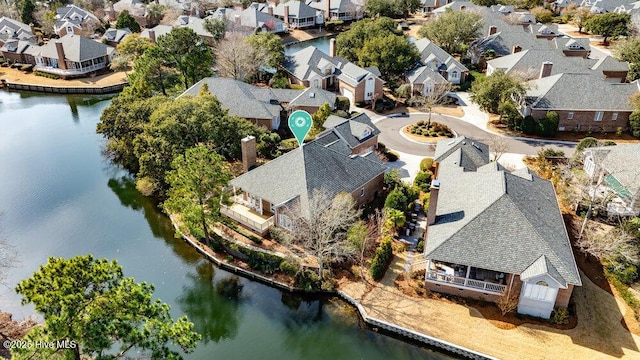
x: 13, y: 29
x: 541, y: 267
x: 528, y: 62
x: 456, y: 6
x: 76, y: 48
x: 334, y: 5
x: 194, y: 23
x: 297, y: 9
x: 495, y: 220
x: 72, y: 15
x: 297, y: 173
x: 350, y: 131
x: 429, y: 51
x: 473, y: 154
x: 19, y: 47
x: 314, y: 97
x: 135, y: 7
x: 116, y: 35
x: 558, y: 92
x: 609, y: 63
x: 159, y: 30
x: 424, y: 73
x: 252, y: 102
x: 254, y: 17
x: 310, y: 61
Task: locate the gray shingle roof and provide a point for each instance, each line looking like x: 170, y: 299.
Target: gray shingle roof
x: 622, y: 161
x: 305, y: 63
x: 252, y: 102
x: 558, y: 92
x: 159, y: 30
x: 13, y: 29
x: 609, y: 63
x: 19, y: 47
x: 529, y: 62
x: 76, y: 48
x: 335, y: 5
x: 72, y: 14
x: 472, y: 156
x: 351, y: 131
x: 430, y: 51
x: 494, y: 220
x: 456, y: 5
x: 297, y: 9
x: 135, y: 7
x: 540, y: 267
x: 194, y: 23
x: 424, y: 73
x: 116, y: 35
x: 297, y: 173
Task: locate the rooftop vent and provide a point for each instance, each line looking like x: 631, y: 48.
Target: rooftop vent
x: 476, y: 146
x: 312, y: 95
x: 274, y: 102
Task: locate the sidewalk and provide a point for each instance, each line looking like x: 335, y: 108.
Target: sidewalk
x: 472, y: 113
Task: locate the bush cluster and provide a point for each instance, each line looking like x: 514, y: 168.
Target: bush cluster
x: 380, y: 261
x: 436, y: 129
x: 560, y: 316
x: 423, y: 180
x: 547, y: 126
x: 47, y: 75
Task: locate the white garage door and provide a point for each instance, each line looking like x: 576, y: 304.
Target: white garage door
x: 349, y: 95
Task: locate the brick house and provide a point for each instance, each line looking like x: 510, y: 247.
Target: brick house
x: 73, y: 56
x: 71, y: 20
x: 264, y: 196
x: 438, y: 60
x: 493, y: 233
x: 313, y: 68
x: 584, y: 102
x: 358, y: 133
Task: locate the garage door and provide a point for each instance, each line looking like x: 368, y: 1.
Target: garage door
x: 349, y: 95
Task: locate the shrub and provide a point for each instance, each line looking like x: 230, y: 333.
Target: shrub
x: 396, y: 200
x: 609, y: 143
x: 414, y: 130
x: 343, y: 103
x: 420, y: 123
x: 342, y: 114
x: 423, y: 180
x: 404, y: 91
x: 279, y: 81
x: 587, y: 143
x: 260, y: 261
x: 392, y: 155
x: 560, y: 316
x: 380, y: 261
x: 297, y: 87
x: 308, y: 280
x: 290, y: 267
x: 288, y: 144
x: 26, y: 67
x: 619, y: 131
x: 418, y: 131
x: 529, y: 125
x: 634, y: 123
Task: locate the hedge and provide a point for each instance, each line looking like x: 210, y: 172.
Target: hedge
x: 380, y: 261
x: 426, y: 164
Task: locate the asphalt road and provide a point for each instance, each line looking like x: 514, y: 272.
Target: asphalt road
x: 390, y: 136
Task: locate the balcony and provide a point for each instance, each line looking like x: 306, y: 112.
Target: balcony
x: 69, y: 72
x: 248, y: 217
x: 467, y: 283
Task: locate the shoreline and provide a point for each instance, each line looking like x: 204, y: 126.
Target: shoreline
x: 16, y: 80
x: 372, y: 322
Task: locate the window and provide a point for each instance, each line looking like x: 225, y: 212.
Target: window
x: 69, y: 30
x: 614, y: 116
x: 362, y: 192
x: 598, y: 116
x: 285, y: 222
x: 454, y: 75
x: 540, y: 292
x: 570, y: 116
x: 315, y: 83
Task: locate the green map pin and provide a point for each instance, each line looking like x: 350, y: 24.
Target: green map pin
x: 300, y: 123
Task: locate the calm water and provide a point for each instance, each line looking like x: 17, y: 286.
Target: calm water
x: 60, y: 197
x: 321, y: 43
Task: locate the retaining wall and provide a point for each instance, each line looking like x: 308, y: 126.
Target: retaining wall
x: 66, y: 89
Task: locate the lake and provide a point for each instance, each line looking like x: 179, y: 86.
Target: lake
x: 60, y: 196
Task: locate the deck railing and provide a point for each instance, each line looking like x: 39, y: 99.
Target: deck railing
x: 58, y: 71
x: 471, y: 284
x: 260, y: 227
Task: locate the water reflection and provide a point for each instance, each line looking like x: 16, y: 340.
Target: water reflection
x: 161, y: 227
x: 214, y: 308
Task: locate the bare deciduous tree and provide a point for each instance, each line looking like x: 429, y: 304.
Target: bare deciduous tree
x: 436, y: 97
x: 320, y: 226
x: 235, y: 57
x: 498, y: 146
x: 615, y: 243
x: 509, y: 302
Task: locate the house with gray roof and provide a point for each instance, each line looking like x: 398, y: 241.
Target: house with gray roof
x: 113, y: 37
x: 264, y: 196
x: 457, y: 6
x: 345, y: 10
x: 262, y: 106
x: 613, y: 170
x: 440, y: 61
x: 493, y: 233
x: 71, y: 19
x: 424, y: 80
x: 255, y: 16
x: 73, y: 56
x: 427, y: 6
x: 154, y: 33
x: 19, y: 51
x: 583, y: 101
x: 296, y: 14
x: 313, y: 68
x: 197, y: 25
x: 358, y: 133
x: 14, y: 30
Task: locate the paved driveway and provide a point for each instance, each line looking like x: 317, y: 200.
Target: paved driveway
x: 390, y: 136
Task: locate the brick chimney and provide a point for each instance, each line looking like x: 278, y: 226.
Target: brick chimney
x: 152, y: 35
x: 270, y: 10
x: 248, y: 147
x: 62, y: 64
x: 332, y: 47
x: 545, y: 70
x: 493, y: 30
x: 433, y: 202
x: 516, y: 49
x: 286, y: 14
x: 327, y: 10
